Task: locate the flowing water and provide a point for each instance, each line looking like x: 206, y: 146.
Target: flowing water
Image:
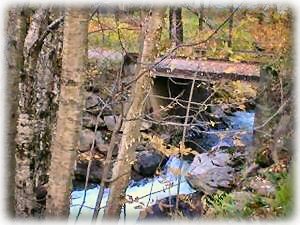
x: 160, y: 186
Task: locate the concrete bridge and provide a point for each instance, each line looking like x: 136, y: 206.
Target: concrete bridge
x: 207, y: 70
x: 173, y: 76
x: 185, y: 68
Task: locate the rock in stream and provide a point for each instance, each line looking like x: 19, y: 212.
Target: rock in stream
x: 147, y: 162
x: 210, y: 172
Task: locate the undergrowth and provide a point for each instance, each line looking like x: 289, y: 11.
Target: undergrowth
x: 252, y: 205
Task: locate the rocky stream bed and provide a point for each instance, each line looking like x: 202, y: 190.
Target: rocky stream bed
x: 151, y: 195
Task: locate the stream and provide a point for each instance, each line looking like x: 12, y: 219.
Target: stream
x: 163, y: 185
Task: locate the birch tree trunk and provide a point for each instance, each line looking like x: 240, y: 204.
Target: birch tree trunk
x: 24, y: 174
x: 153, y: 102
x: 132, y: 123
x: 65, y: 140
x: 16, y: 32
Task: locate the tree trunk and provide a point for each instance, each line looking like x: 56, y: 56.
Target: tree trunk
x: 201, y: 17
x: 153, y: 102
x: 131, y: 134
x: 175, y: 27
x: 48, y: 70
x: 230, y: 27
x: 24, y: 173
x: 16, y: 32
x: 41, y: 63
x: 65, y: 140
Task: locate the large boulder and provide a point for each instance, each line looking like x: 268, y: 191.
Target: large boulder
x: 110, y: 122
x: 86, y: 139
x: 210, y: 172
x: 147, y: 162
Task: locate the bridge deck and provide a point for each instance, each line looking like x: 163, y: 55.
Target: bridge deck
x: 207, y: 70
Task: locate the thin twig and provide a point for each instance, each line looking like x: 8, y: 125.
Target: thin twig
x: 152, y: 183
x: 183, y: 140
x: 106, y: 168
x: 109, y: 154
x: 91, y: 153
x: 271, y: 117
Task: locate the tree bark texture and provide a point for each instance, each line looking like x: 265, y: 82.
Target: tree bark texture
x: 153, y: 102
x: 66, y: 139
x: 36, y: 111
x: 131, y: 134
x: 175, y: 27
x: 16, y: 32
x: 48, y: 71
x: 24, y: 174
